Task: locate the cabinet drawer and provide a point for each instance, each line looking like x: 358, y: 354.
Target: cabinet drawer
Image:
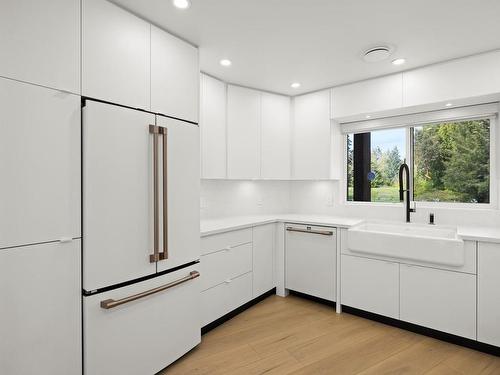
x: 216, y: 242
x: 166, y: 323
x: 437, y: 299
x: 225, y: 264
x: 370, y: 285
x: 225, y: 297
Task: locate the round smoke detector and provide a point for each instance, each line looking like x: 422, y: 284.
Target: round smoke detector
x: 377, y: 54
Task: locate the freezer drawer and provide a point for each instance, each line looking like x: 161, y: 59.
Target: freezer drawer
x: 145, y: 335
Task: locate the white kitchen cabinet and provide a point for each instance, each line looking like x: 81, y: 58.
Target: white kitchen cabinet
x: 223, y: 298
x: 145, y: 335
x: 367, y: 97
x: 311, y: 260
x: 243, y: 132
x: 370, y: 285
x: 40, y: 323
x: 174, y: 76
x: 438, y: 299
x: 183, y: 192
x: 311, y: 138
x: 458, y: 79
x: 213, y: 127
x: 39, y: 164
x: 276, y: 131
x: 488, y: 299
x: 263, y: 258
x: 40, y: 42
x: 115, y: 55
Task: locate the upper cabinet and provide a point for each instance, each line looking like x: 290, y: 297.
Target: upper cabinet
x: 40, y: 42
x: 366, y: 97
x: 174, y: 76
x: 311, y: 141
x: 213, y: 127
x: 116, y: 55
x: 243, y: 132
x: 275, y: 137
x: 458, y: 79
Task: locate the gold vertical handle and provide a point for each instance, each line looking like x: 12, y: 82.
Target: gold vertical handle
x: 153, y: 129
x: 164, y: 254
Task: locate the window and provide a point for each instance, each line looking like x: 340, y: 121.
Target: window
x: 449, y: 162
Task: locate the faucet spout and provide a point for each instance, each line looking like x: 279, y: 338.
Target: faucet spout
x: 404, y: 169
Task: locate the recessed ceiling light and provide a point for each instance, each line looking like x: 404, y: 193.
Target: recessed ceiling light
x: 448, y: 104
x: 295, y: 85
x: 400, y: 61
x: 368, y: 116
x: 377, y: 54
x: 181, y: 4
x: 225, y: 62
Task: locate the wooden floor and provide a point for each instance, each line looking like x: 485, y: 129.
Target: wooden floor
x: 296, y: 336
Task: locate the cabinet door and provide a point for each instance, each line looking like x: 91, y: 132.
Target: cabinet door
x: 213, y: 127
x: 41, y: 42
x: 146, y: 335
x: 275, y: 129
x: 263, y: 259
x: 243, y: 133
x: 40, y: 312
x: 115, y: 55
x: 370, y: 285
x: 366, y: 97
x: 39, y: 164
x: 311, y: 261
x: 488, y: 301
x: 117, y: 194
x: 437, y: 299
x: 311, y: 136
x: 183, y: 192
x: 174, y: 76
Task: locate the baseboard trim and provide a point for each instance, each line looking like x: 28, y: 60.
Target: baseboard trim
x: 312, y: 298
x: 238, y: 310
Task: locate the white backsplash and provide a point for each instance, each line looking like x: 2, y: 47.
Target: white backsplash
x: 222, y: 198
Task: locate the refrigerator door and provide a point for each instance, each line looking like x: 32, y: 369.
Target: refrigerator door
x: 117, y: 194
x: 180, y: 211
x: 144, y: 335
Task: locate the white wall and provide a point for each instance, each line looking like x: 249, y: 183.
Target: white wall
x: 220, y: 198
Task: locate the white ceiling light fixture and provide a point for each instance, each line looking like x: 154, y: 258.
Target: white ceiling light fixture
x: 448, y: 104
x: 295, y: 85
x: 181, y: 4
x: 368, y: 116
x: 225, y: 62
x: 377, y: 54
x: 399, y: 61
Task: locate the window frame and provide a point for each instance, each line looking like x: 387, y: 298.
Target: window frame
x: 494, y: 198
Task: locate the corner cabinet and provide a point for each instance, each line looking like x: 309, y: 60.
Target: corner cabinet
x: 488, y: 299
x: 174, y: 76
x: 213, y: 127
x: 311, y: 140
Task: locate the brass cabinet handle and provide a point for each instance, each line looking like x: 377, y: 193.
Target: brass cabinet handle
x: 153, y: 129
x: 164, y: 254
x: 110, y: 303
x: 322, y: 232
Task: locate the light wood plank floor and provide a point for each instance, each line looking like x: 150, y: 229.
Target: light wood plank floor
x: 296, y: 336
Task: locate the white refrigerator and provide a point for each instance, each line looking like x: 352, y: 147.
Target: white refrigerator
x: 140, y: 226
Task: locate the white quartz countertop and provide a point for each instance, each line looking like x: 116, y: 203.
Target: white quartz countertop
x: 220, y: 225
x: 214, y: 226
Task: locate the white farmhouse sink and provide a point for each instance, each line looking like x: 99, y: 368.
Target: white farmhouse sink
x: 422, y: 243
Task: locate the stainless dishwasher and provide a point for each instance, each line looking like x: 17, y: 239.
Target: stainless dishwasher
x: 311, y: 259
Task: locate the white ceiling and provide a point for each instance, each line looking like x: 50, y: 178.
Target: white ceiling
x: 319, y: 43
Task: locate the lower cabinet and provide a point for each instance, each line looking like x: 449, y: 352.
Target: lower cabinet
x: 438, y: 299
x: 488, y: 301
x: 225, y: 297
x: 370, y: 285
x: 145, y: 335
x: 263, y: 259
x: 40, y: 309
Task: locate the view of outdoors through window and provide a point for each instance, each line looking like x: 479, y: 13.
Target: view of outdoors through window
x: 451, y: 162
